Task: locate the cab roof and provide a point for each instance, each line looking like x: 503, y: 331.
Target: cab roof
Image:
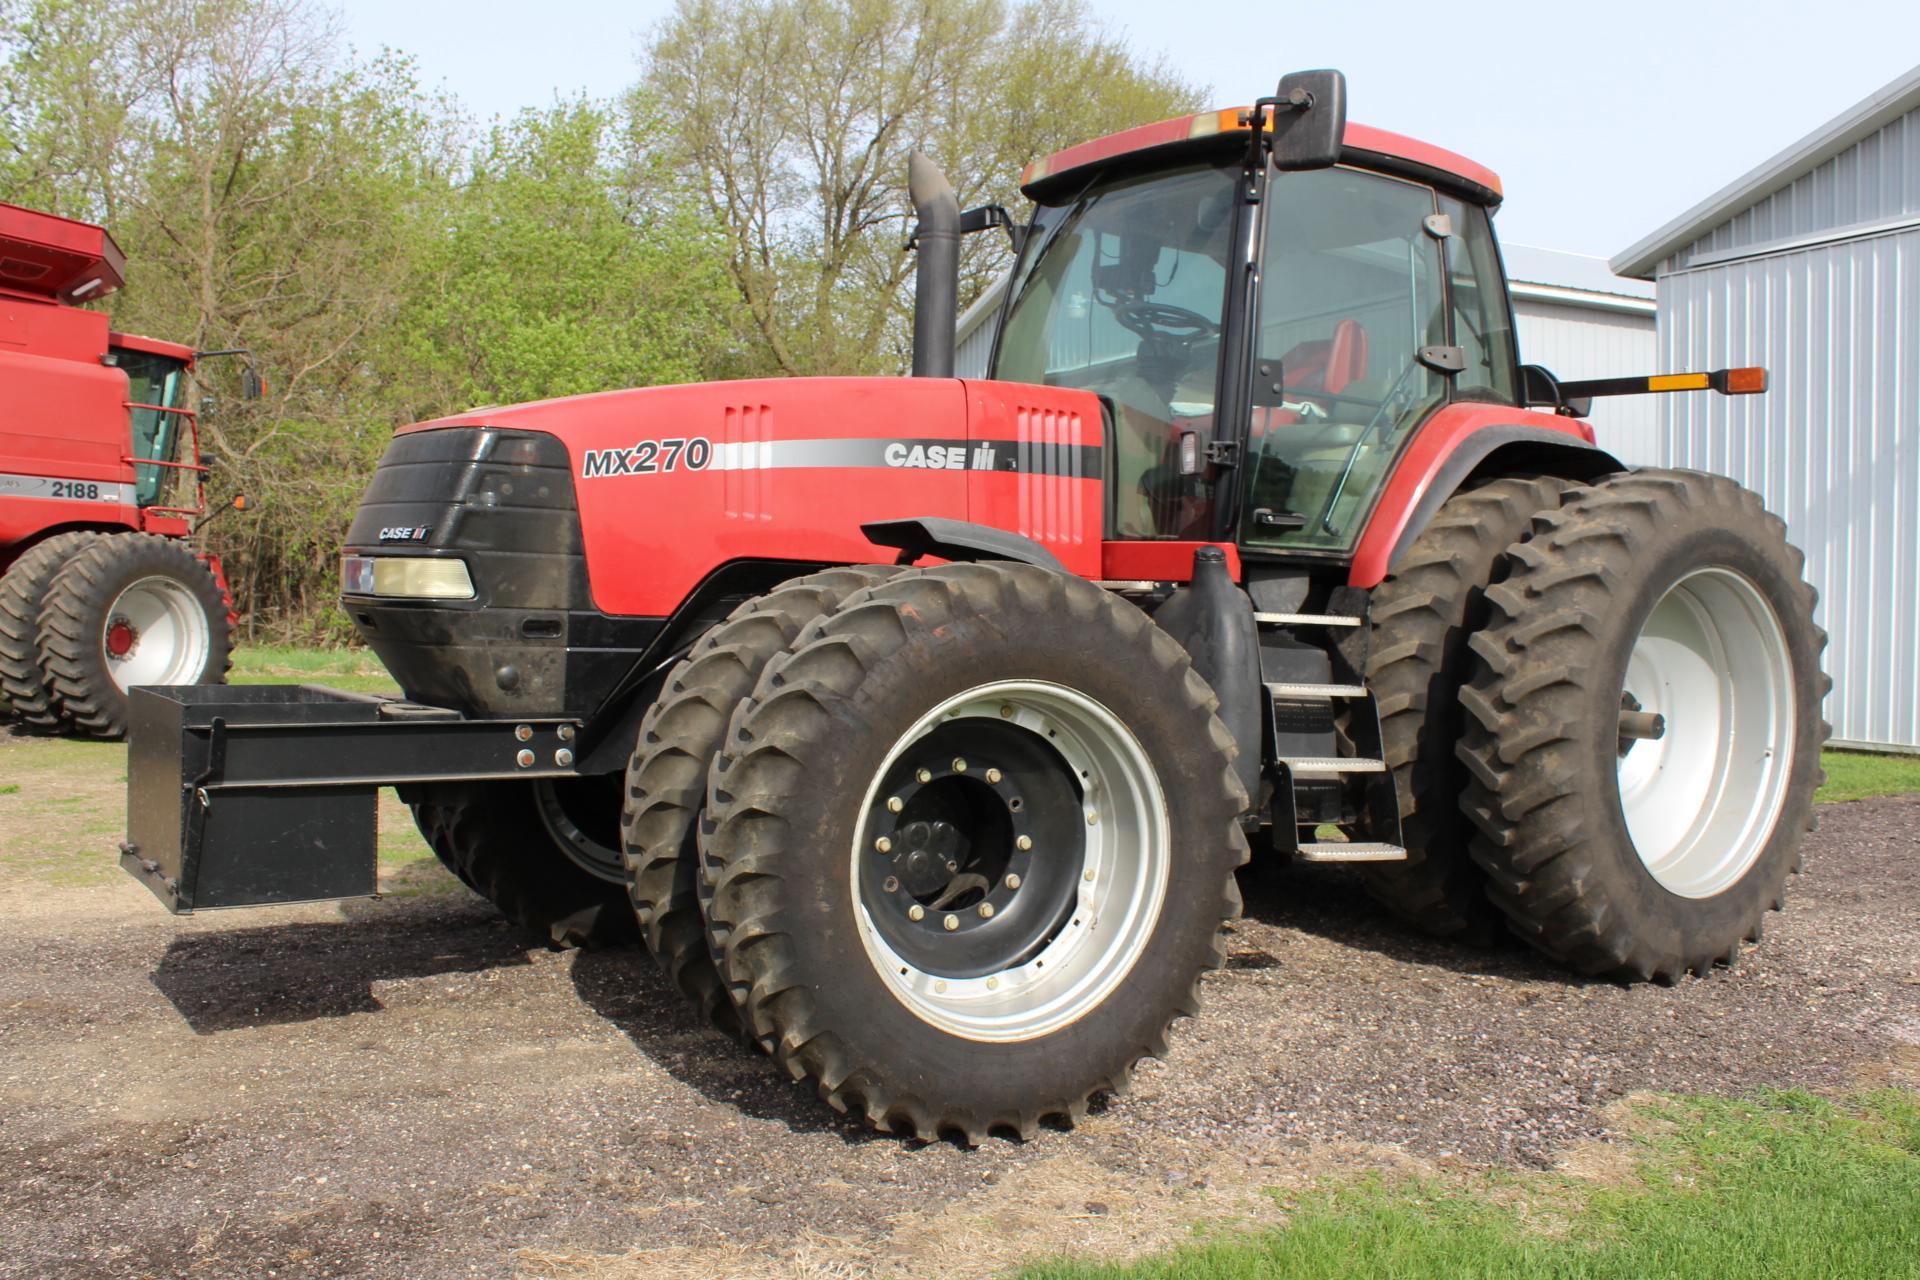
x: 1363, y: 145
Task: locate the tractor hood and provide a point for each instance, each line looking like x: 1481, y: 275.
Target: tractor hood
x: 674, y: 483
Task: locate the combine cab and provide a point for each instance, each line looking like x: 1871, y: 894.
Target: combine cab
x: 100, y: 478
x: 920, y: 725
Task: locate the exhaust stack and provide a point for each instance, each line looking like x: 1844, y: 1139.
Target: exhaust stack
x: 936, y: 280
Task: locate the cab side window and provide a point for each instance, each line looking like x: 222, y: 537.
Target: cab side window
x: 1482, y: 323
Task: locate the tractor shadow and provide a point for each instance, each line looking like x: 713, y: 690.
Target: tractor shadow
x: 626, y: 987
x: 1331, y: 903
x: 227, y: 979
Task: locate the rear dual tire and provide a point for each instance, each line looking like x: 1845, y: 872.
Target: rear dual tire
x: 1664, y: 592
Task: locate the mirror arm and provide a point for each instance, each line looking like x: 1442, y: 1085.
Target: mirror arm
x: 993, y: 215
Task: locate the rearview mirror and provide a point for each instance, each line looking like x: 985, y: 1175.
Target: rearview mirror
x: 1309, y: 120
x: 252, y: 386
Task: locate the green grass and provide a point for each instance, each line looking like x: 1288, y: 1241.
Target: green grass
x: 355, y: 670
x: 1855, y: 775
x: 1780, y: 1185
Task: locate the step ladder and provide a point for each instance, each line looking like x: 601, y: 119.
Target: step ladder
x: 1365, y: 771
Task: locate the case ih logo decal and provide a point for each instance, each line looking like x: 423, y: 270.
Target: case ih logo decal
x: 405, y: 533
x: 651, y: 457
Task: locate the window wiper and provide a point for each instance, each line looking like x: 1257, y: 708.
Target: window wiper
x: 1075, y: 211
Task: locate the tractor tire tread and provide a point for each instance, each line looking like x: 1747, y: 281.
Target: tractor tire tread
x: 1423, y: 616
x: 23, y: 592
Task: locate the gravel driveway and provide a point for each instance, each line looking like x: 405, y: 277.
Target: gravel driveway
x: 401, y: 1088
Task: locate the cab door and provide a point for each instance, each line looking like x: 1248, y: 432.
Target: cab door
x: 1352, y: 291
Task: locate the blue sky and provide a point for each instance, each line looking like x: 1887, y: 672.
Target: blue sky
x: 1604, y: 120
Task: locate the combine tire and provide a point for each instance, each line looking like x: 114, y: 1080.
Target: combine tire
x: 1422, y: 617
x: 129, y: 609
x: 1663, y: 603
x: 667, y: 778
x: 22, y: 592
x: 975, y: 837
x: 520, y: 846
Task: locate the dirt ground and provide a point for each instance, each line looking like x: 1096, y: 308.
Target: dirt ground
x: 403, y: 1088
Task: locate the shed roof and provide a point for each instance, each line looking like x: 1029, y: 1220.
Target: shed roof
x: 1885, y: 104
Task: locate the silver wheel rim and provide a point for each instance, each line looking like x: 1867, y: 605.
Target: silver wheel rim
x: 1123, y: 886
x: 1701, y: 801
x: 166, y: 635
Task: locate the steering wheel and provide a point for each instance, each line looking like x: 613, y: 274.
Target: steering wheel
x: 1164, y: 320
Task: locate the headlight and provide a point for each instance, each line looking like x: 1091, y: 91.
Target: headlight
x: 417, y: 577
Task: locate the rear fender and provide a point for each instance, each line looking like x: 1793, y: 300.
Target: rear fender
x: 1457, y: 444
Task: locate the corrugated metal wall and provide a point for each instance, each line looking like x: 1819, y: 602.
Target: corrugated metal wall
x: 1833, y: 446
x: 1582, y: 342
x: 974, y: 346
x: 1876, y: 178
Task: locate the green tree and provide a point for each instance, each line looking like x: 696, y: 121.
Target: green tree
x: 551, y: 277
x: 791, y: 121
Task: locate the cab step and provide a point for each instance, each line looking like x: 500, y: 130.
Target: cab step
x: 1307, y: 619
x: 1286, y: 689
x: 1322, y: 765
x: 1351, y: 851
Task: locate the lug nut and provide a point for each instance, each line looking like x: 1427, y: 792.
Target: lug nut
x: 1013, y: 881
x: 993, y: 984
x: 952, y: 865
x: 916, y: 912
x: 1024, y: 843
x: 524, y: 759
x: 993, y: 775
x: 951, y: 923
x: 524, y: 732
x: 925, y: 775
x: 1089, y: 874
x: 986, y: 911
x: 959, y: 765
x: 883, y: 844
x: 1006, y: 712
x: 563, y: 757
x: 891, y: 884
x: 895, y: 804
x: 566, y: 733
x: 939, y: 988
x: 1093, y: 817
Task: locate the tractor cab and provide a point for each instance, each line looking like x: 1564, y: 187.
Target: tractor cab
x: 1266, y: 337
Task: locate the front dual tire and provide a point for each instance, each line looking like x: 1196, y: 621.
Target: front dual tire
x: 853, y: 789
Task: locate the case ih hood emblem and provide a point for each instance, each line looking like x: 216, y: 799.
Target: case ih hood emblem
x: 650, y: 457
x: 405, y: 533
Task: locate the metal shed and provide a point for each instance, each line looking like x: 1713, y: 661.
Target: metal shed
x: 1810, y: 265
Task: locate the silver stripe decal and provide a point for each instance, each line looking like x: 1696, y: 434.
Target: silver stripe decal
x: 1074, y: 461
x: 61, y: 489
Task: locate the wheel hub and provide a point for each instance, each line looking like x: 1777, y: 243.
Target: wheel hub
x: 121, y: 638
x: 976, y: 847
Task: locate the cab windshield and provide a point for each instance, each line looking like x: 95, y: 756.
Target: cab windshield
x: 160, y: 381
x: 1122, y: 296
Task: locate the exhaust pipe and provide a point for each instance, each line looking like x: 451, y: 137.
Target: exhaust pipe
x: 936, y: 278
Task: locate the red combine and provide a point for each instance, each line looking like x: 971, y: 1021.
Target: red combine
x: 100, y: 479
x: 926, y: 721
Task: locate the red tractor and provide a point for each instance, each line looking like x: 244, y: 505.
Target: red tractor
x: 926, y: 721
x: 100, y: 479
